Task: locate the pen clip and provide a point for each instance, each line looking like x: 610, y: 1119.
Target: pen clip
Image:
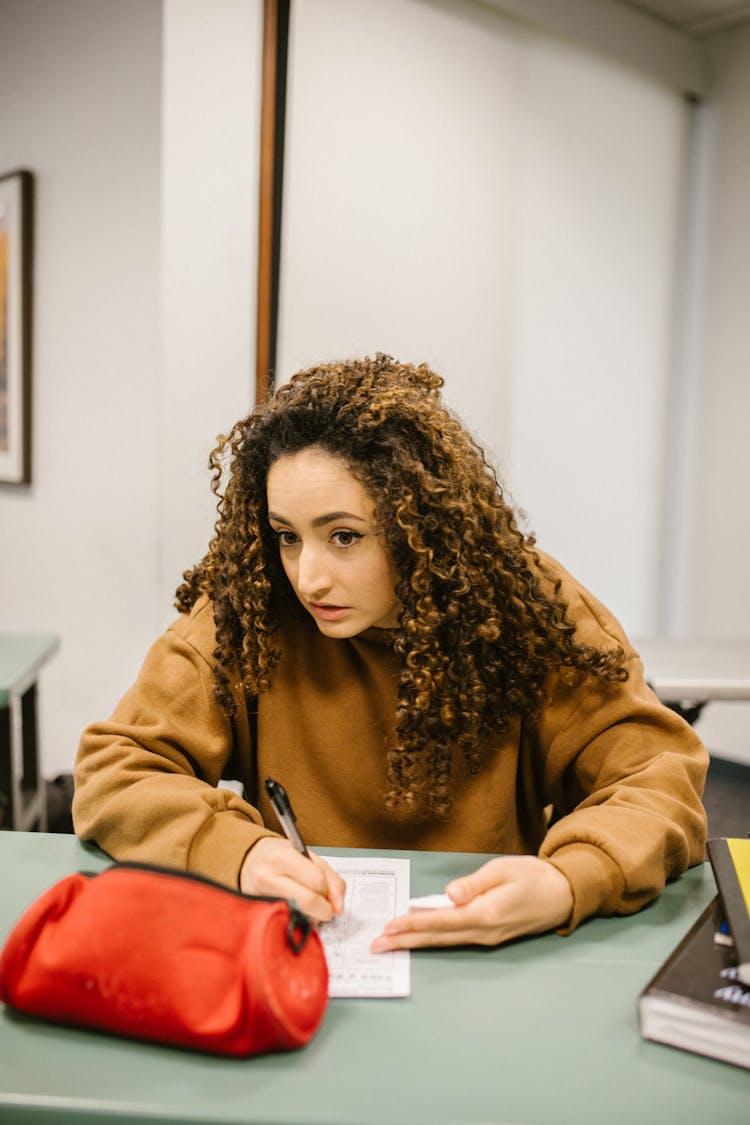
x: 277, y: 795
x: 283, y: 809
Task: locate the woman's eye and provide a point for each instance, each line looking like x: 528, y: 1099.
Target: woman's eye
x: 286, y: 538
x: 345, y: 538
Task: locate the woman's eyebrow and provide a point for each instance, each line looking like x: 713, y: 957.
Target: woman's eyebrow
x: 320, y: 521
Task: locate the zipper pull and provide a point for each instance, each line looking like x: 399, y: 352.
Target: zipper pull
x: 297, y: 928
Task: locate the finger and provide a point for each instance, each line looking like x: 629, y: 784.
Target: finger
x: 490, y: 874
x: 315, y: 906
x: 298, y: 867
x: 281, y: 870
x: 488, y: 918
x: 427, y: 921
x: 335, y: 886
x: 431, y: 939
x: 409, y: 931
x: 325, y: 885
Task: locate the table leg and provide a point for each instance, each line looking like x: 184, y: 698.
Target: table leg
x: 21, y: 782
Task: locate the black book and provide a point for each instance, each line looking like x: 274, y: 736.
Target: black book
x: 730, y: 860
x: 696, y: 1001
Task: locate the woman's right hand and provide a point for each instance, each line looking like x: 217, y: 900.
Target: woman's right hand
x: 273, y: 866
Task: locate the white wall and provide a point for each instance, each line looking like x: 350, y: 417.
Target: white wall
x: 721, y: 527
x: 503, y: 206
x: 210, y: 162
x: 398, y: 220
x: 144, y: 318
x: 79, y: 105
x: 600, y: 180
x: 718, y: 591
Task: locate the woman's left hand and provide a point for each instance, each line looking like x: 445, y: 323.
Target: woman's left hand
x: 505, y: 898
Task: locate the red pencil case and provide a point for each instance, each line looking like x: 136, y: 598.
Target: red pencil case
x: 157, y: 954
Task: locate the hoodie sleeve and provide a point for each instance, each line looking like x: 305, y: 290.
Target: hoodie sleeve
x: 625, y: 777
x: 146, y: 779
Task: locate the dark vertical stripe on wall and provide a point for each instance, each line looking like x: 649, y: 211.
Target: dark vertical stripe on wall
x: 273, y: 116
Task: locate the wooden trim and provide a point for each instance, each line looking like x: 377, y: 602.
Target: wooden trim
x: 272, y: 128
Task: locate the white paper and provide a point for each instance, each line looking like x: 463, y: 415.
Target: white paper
x: 430, y: 902
x: 376, y: 891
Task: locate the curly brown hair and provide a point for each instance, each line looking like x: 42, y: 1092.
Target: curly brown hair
x: 481, y: 625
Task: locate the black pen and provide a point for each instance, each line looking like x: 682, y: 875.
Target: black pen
x: 283, y: 809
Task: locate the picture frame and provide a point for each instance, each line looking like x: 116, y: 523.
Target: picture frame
x: 16, y: 202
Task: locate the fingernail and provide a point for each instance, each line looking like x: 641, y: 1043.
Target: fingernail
x: 379, y: 946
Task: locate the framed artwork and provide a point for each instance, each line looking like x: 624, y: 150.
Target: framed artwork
x: 16, y: 200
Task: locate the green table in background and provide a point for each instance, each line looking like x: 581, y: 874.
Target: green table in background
x: 541, y: 1031
x: 22, y: 788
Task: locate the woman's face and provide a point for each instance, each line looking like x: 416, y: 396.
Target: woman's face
x: 329, y: 544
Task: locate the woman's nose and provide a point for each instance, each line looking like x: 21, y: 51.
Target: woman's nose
x: 313, y: 577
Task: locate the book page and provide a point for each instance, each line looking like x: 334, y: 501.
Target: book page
x: 376, y: 890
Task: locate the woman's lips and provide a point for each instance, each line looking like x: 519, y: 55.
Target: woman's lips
x: 327, y: 612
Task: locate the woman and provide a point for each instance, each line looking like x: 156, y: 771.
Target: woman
x: 371, y: 627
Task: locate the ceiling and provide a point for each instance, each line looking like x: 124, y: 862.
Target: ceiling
x: 697, y: 17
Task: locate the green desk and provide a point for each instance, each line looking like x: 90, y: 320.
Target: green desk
x: 22, y: 789
x: 543, y: 1031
